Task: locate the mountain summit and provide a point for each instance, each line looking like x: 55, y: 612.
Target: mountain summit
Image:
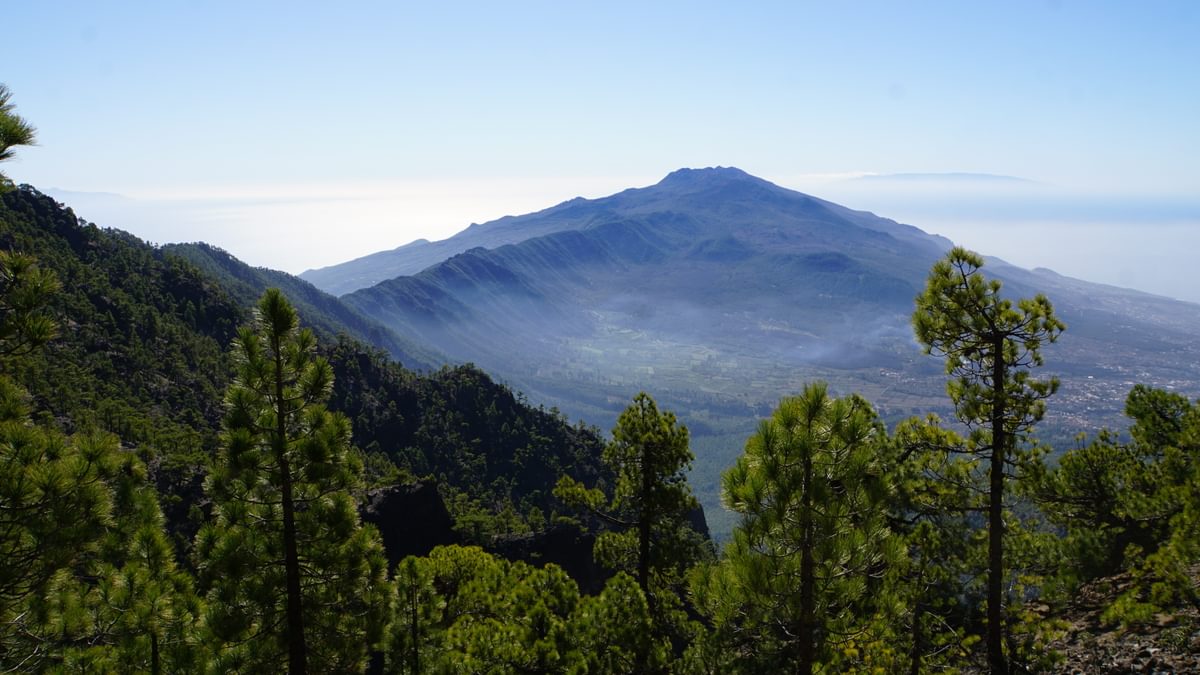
x: 714, y: 175
x: 708, y: 196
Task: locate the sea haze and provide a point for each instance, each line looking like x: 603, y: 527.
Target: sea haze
x: 1134, y: 239
x: 1124, y: 237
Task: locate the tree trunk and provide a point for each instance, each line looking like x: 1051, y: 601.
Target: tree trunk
x: 644, y: 527
x: 807, y: 574
x: 155, y: 659
x: 297, y: 649
x: 995, y: 616
x: 415, y: 633
x: 643, y: 570
x: 918, y: 640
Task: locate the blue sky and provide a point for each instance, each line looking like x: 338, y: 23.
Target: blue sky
x: 264, y: 126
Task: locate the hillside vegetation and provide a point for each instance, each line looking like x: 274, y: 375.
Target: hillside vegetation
x: 184, y: 467
x: 143, y: 353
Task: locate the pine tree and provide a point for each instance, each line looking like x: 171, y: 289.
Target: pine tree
x: 55, y: 508
x: 990, y: 345
x: 615, y: 632
x: 804, y: 570
x: 14, y: 131
x: 295, y: 581
x: 418, y: 611
x: 1130, y: 505
x: 933, y: 512
x: 131, y: 608
x: 1168, y: 427
x: 54, y: 503
x: 25, y: 292
x: 651, y: 536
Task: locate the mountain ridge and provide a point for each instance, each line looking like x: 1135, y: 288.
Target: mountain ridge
x: 722, y: 292
x: 328, y: 315
x: 712, y: 186
x: 144, y: 352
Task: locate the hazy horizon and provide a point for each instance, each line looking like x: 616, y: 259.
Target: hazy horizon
x: 1025, y: 223
x: 301, y: 135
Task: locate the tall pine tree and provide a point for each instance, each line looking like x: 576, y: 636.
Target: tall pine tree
x: 990, y: 345
x: 651, y: 537
x: 803, y: 571
x: 295, y: 582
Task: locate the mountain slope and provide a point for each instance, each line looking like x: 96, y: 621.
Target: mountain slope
x: 720, y: 292
x: 720, y: 192
x: 416, y: 256
x: 319, y: 310
x: 143, y: 352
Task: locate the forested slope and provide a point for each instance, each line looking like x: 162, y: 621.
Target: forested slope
x: 858, y: 548
x: 323, y: 312
x: 143, y: 353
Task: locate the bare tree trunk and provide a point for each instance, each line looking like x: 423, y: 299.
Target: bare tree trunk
x: 644, y: 526
x: 643, y: 571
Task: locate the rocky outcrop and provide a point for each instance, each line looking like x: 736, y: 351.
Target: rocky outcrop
x: 564, y: 545
x: 1169, y: 643
x: 699, y: 523
x: 570, y: 547
x: 412, y: 519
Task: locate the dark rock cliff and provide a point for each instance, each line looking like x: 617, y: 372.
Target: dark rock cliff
x: 412, y: 519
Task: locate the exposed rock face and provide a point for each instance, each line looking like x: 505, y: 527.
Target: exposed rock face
x: 412, y: 519
x: 698, y: 522
x: 563, y: 545
x: 571, y: 549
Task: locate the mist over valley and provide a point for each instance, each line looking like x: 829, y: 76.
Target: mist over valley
x: 720, y: 292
